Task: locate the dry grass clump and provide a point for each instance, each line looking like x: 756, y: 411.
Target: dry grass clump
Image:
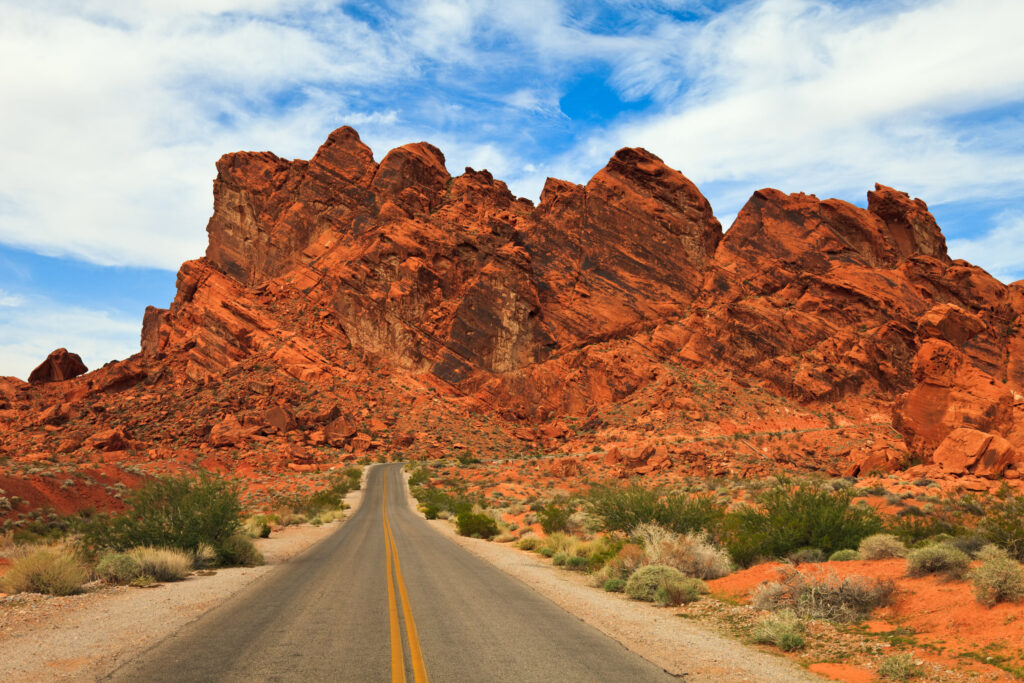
x: 162, y: 564
x: 824, y: 596
x: 901, y: 667
x: 785, y: 630
x: 51, y: 570
x: 691, y: 553
x: 938, y: 559
x: 881, y: 547
x: 998, y: 579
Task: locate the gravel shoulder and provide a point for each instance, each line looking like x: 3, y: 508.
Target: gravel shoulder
x: 680, y: 647
x: 85, y: 637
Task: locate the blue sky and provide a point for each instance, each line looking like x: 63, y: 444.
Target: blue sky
x: 114, y: 113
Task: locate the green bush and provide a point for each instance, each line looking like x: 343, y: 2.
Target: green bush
x: 793, y: 516
x: 881, y: 547
x: 162, y: 564
x: 915, y: 530
x: 54, y: 571
x: 614, y: 585
x: 173, y: 512
x: 784, y: 630
x: 578, y: 563
x: 675, y: 592
x: 938, y: 559
x: 118, y: 568
x: 529, y: 542
x: 1003, y: 524
x: 644, y: 583
x: 624, y: 509
x: 844, y: 555
x: 476, y: 525
x: 554, y: 517
x: 807, y: 556
x: 998, y: 579
x: 239, y: 551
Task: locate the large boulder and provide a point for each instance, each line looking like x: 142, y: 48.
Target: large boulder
x: 58, y: 366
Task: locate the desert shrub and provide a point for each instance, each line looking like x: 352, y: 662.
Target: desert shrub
x: 627, y: 560
x: 998, y: 579
x: 881, y: 547
x: 614, y: 585
x: 598, y: 551
x: 435, y: 502
x: 204, y: 556
x: 793, y: 516
x: 577, y: 562
x: 163, y: 564
x: 419, y: 477
x: 117, y: 568
x: 475, y: 524
x: 1003, y: 524
x: 806, y: 556
x: 559, y: 558
x: 915, y: 530
x: 844, y: 555
x: 554, y: 517
x: 173, y: 512
x: 691, y: 553
x: 823, y: 595
x: 257, y: 526
x: 624, y: 509
x: 332, y: 497
x: 529, y: 542
x: 785, y: 630
x: 644, y: 583
x: 239, y: 551
x: 675, y: 592
x: 54, y: 571
x: 938, y: 559
x: 901, y: 667
x: 969, y: 543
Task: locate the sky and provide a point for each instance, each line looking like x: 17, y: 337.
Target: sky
x: 113, y: 115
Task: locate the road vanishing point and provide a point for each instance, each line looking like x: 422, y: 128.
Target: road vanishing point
x: 388, y: 598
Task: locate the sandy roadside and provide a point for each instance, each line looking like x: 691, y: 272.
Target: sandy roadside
x: 84, y: 637
x: 680, y: 647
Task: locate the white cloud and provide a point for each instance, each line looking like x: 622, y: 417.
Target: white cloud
x: 32, y: 326
x: 1000, y: 251
x: 804, y: 96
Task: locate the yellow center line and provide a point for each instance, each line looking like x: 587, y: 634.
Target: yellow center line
x: 419, y: 670
x: 397, y: 653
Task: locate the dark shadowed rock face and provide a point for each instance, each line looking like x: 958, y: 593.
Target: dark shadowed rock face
x: 58, y: 366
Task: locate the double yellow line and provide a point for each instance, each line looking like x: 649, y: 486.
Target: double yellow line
x: 419, y: 671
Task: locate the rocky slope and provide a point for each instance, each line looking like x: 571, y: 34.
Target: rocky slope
x: 346, y: 306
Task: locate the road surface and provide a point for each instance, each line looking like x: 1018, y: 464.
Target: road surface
x: 387, y: 598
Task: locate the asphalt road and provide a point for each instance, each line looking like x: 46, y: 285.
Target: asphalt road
x: 332, y: 614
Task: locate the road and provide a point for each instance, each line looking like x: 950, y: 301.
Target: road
x: 387, y: 598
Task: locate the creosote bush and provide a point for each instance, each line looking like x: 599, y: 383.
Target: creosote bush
x: 790, y: 516
x: 938, y: 558
x: 172, y: 512
x: 55, y: 571
x: 881, y: 547
x: 624, y: 509
x: 785, y: 630
x: 1003, y: 525
x: 476, y: 524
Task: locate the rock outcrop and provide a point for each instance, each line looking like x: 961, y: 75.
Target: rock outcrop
x: 449, y: 300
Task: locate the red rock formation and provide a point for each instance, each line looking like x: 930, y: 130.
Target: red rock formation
x: 58, y: 366
x: 350, y: 305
